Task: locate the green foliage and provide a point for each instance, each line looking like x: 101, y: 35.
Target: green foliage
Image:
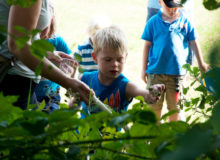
x: 21, y: 3
x: 211, y: 4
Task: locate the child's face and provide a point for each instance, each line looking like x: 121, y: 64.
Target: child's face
x: 169, y: 12
x: 110, y: 63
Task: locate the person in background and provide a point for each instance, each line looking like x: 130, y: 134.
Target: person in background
x: 21, y: 78
x: 108, y: 82
x: 84, y: 51
x: 47, y: 90
x: 153, y: 7
x: 168, y: 36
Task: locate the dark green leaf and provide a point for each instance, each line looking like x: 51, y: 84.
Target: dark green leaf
x: 21, y: 3
x: 165, y: 116
x: 21, y: 30
x: 39, y: 48
x: 38, y: 70
x: 22, y: 41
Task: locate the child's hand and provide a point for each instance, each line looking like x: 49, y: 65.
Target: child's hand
x: 204, y: 67
x: 144, y: 76
x: 155, y: 92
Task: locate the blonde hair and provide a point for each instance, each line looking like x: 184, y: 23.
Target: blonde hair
x: 97, y: 22
x: 110, y: 37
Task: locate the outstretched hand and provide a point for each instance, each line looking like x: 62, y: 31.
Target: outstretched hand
x: 83, y: 92
x: 155, y: 92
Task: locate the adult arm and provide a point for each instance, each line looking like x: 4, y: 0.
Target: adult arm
x: 28, y: 18
x: 147, y: 46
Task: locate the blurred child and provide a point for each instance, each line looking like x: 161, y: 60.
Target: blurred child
x: 168, y: 37
x: 108, y: 83
x: 83, y: 52
x: 46, y: 89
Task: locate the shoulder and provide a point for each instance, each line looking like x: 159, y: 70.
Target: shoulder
x: 89, y: 76
x: 122, y: 78
x: 85, y: 45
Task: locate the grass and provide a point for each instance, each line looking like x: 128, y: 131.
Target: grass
x: 73, y: 17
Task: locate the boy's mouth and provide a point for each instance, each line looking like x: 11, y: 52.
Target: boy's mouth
x: 114, y: 72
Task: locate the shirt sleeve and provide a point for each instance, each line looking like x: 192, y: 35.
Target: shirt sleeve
x: 62, y: 46
x: 192, y: 33
x: 148, y: 31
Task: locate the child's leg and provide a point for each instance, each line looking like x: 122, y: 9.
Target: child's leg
x: 173, y: 91
x: 157, y: 108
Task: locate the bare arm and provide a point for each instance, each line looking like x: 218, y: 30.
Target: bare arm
x: 133, y: 90
x: 147, y: 46
x: 28, y: 18
x: 195, y: 47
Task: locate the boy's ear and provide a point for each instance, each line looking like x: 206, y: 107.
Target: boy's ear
x: 94, y: 57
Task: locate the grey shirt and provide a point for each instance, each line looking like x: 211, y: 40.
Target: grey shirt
x: 19, y: 68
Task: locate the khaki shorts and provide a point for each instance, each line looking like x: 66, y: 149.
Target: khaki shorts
x: 172, y: 92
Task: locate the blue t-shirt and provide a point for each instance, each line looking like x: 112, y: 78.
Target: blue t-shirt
x: 113, y: 95
x: 170, y: 49
x: 46, y: 86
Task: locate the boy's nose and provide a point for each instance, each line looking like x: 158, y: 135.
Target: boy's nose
x: 115, y: 63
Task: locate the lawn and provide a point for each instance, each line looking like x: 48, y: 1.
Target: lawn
x: 73, y: 17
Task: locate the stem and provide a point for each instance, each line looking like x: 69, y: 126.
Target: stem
x: 119, y: 152
x: 110, y: 139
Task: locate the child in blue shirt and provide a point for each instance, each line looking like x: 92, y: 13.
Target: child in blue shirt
x: 108, y: 83
x: 168, y: 36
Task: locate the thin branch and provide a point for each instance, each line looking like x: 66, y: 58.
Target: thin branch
x: 119, y: 152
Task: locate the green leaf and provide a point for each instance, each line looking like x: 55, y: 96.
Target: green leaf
x: 211, y: 4
x: 215, y: 118
x: 140, y: 98
x: 21, y: 3
x: 185, y: 90
x: 38, y: 70
x: 73, y: 152
x: 187, y: 67
x: 188, y: 118
x: 8, y: 112
x: 119, y: 119
x: 78, y: 58
x: 202, y: 103
x: 165, y: 116
x: 3, y: 29
x: 21, y: 30
x: 188, y: 109
x: 22, y: 41
x: 201, y: 89
x: 34, y: 32
x: 191, y: 145
x: 195, y: 101
x: 39, y: 48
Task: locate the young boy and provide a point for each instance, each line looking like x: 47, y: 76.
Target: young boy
x: 168, y: 36
x: 108, y: 83
x: 84, y: 51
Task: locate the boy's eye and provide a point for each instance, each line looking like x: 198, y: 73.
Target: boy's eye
x: 120, y: 59
x: 107, y: 59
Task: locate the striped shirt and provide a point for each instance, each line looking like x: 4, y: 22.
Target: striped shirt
x: 83, y: 55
